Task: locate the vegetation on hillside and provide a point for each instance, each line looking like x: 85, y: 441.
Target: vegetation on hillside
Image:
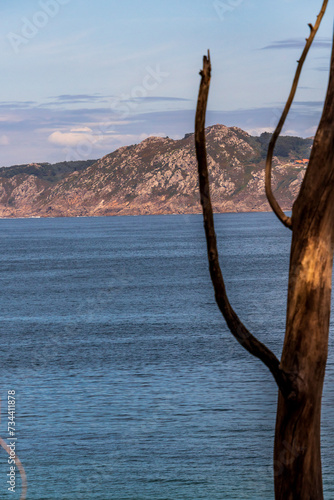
x: 46, y: 171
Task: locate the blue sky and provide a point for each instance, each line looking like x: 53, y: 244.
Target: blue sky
x: 80, y: 78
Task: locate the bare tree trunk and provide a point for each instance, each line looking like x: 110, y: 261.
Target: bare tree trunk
x: 297, y: 442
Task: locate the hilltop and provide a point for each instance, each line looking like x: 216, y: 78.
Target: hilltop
x: 158, y: 176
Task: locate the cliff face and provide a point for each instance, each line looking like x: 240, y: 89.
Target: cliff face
x: 158, y: 176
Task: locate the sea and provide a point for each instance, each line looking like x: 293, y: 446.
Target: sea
x: 119, y: 371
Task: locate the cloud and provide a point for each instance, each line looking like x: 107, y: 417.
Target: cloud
x: 261, y: 119
x: 81, y: 141
x: 72, y: 138
x: 4, y: 141
x: 259, y: 130
x: 298, y: 43
x: 309, y: 104
x: 159, y: 99
x: 16, y: 104
x: 81, y: 129
x: 311, y: 131
x: 46, y: 134
x: 292, y: 132
x: 77, y: 99
x: 70, y: 97
x: 322, y: 69
x: 127, y: 139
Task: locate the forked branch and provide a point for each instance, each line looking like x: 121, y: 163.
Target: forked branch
x: 270, y: 196
x: 237, y: 328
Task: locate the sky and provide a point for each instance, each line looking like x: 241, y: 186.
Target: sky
x: 80, y: 79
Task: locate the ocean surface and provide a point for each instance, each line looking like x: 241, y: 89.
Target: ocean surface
x: 128, y: 385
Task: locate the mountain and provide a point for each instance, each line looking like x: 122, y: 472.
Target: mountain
x: 158, y: 176
x: 46, y: 171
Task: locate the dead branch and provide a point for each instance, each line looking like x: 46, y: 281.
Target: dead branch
x: 271, y: 198
x: 237, y: 328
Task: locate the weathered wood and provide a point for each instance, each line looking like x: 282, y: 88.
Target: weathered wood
x: 237, y: 328
x: 298, y: 476
x: 270, y: 196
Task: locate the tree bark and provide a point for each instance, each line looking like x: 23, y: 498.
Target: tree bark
x: 297, y: 456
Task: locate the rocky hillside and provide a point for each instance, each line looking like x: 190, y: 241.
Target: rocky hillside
x: 46, y: 171
x: 159, y: 176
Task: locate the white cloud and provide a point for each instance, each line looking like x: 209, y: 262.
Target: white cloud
x: 259, y: 130
x: 81, y: 129
x: 290, y: 132
x: 85, y: 135
x: 311, y: 131
x: 4, y: 141
x: 74, y: 137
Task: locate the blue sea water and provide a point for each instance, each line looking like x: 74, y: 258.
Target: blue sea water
x: 128, y: 385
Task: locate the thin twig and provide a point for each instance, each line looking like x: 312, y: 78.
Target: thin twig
x: 271, y: 198
x: 240, y: 332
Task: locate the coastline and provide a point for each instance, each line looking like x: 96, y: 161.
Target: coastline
x: 16, y: 217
